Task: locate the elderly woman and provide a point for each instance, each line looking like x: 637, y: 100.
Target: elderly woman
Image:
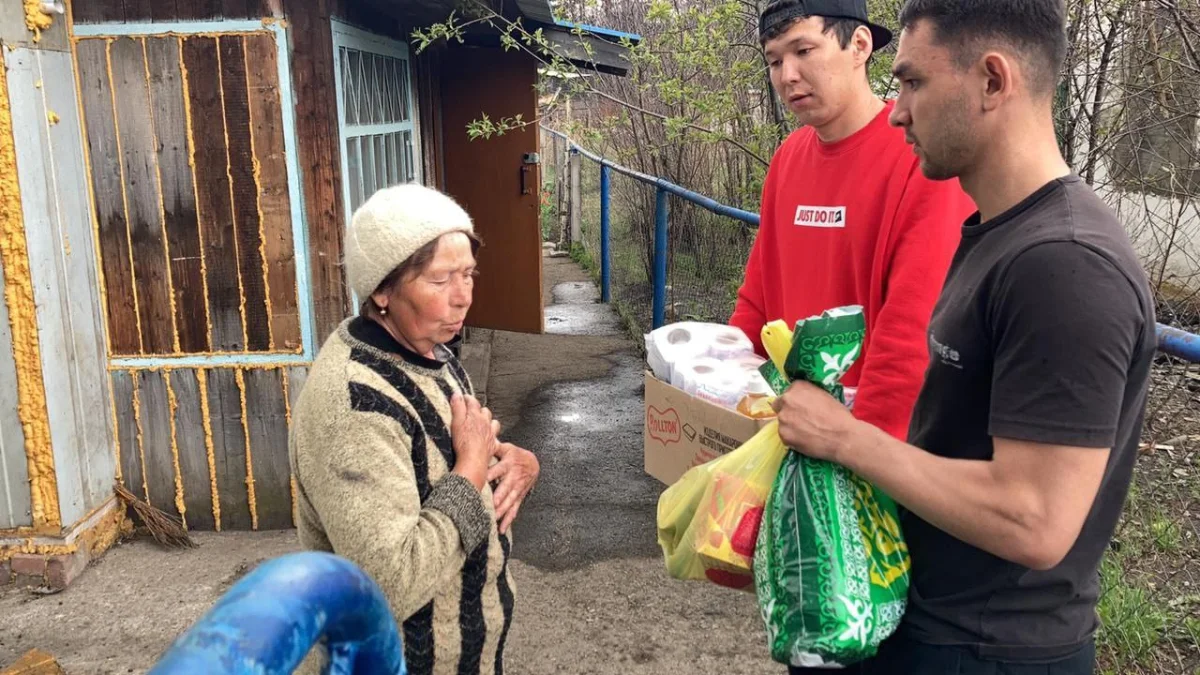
x: 397, y: 466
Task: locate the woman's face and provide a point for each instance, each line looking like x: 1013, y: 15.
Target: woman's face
x: 429, y: 309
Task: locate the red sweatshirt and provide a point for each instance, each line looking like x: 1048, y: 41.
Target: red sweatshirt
x: 856, y: 223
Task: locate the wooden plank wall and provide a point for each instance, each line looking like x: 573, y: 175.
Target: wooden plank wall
x: 195, y: 228
x: 156, y: 107
x: 59, y: 234
x: 209, y: 444
x: 316, y: 127
x: 320, y: 158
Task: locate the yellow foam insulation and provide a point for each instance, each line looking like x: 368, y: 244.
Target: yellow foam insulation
x: 37, y: 85
x: 53, y: 117
x: 173, y: 406
x: 202, y: 380
x: 112, y: 409
x: 95, y: 540
x: 106, y: 532
x: 141, y: 446
x: 287, y: 411
x: 30, y: 548
x: 36, y: 20
x: 18, y: 294
x: 240, y: 376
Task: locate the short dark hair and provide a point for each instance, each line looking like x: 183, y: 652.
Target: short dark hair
x: 413, y: 266
x: 1035, y: 29
x: 842, y: 28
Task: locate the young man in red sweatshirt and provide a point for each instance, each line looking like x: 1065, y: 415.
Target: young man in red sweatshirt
x: 847, y: 217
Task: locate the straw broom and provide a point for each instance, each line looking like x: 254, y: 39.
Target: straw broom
x: 166, y: 529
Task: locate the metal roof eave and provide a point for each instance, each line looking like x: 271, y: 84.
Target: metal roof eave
x: 586, y: 49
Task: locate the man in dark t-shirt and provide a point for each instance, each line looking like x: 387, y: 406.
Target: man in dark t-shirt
x: 1024, y: 436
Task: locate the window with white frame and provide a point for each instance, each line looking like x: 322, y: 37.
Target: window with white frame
x: 377, y: 114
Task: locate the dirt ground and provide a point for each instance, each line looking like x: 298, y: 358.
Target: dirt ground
x: 592, y: 593
x: 617, y: 616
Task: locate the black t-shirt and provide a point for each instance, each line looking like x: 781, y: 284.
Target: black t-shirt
x: 1044, y: 332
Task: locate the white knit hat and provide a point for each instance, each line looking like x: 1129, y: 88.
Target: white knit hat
x: 391, y: 226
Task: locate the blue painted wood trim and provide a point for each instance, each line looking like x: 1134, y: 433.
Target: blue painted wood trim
x: 181, y: 28
x: 300, y: 246
x: 208, y: 360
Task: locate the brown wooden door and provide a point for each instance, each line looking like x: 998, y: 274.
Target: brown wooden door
x: 485, y: 176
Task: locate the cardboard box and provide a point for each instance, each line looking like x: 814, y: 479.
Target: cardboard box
x: 683, y: 431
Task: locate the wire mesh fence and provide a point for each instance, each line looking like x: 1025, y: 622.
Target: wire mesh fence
x: 706, y: 252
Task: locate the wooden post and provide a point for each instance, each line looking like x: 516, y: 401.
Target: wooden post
x: 576, y: 201
x: 561, y: 204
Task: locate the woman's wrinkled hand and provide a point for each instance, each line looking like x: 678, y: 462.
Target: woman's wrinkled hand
x: 473, y: 433
x: 517, y: 471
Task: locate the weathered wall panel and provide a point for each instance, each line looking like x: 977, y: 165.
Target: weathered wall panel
x: 246, y: 222
x: 14, y: 473
x: 267, y: 425
x: 135, y: 138
x: 124, y: 335
x: 58, y: 228
x: 178, y: 192
x: 320, y: 157
x: 274, y: 202
x: 192, y: 450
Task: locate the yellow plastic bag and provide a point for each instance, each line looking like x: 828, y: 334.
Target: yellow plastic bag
x: 708, y: 521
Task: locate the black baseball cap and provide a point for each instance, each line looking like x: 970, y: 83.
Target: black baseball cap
x: 782, y: 11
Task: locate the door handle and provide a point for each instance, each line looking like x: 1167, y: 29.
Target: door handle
x: 525, y: 168
x: 528, y: 161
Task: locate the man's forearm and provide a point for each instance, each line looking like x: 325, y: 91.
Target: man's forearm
x: 965, y: 498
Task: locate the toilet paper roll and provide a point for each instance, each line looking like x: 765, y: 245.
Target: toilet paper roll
x: 673, y: 344
x: 755, y: 382
x: 727, y: 342
x: 689, y: 373
x: 749, y: 362
x: 724, y: 388
x: 712, y: 380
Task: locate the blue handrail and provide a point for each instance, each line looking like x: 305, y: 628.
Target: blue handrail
x: 1178, y: 343
x: 267, y: 623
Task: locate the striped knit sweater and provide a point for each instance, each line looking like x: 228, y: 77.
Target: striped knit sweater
x: 371, y: 452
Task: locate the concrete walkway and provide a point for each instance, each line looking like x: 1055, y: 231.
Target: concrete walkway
x: 592, y: 593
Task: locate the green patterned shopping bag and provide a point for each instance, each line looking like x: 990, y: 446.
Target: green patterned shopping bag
x: 830, y: 565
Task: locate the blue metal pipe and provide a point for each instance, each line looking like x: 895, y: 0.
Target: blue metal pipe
x: 708, y: 203
x: 696, y: 198
x: 1179, y: 343
x: 605, y: 255
x: 661, y: 204
x: 269, y: 621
